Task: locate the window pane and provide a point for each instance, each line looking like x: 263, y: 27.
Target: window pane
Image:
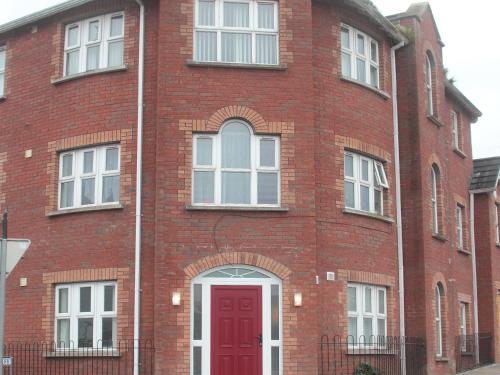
x: 275, y: 312
x: 198, y: 311
x: 345, y: 40
x: 365, y: 198
x: 236, y: 14
x: 63, y: 301
x: 349, y: 166
x: 267, y: 188
x: 266, y: 15
x: 67, y: 192
x: 93, y: 31
x: 368, y: 300
x: 88, y: 191
x: 381, y: 327
x: 361, y: 44
x: 115, y: 54
x: 206, y: 13
x: 112, y: 159
x: 93, y: 57
x: 349, y: 194
x: 108, y: 332
x: 63, y: 333
x: 368, y: 330
x: 351, y: 299
x: 266, y: 49
x: 275, y: 360
x: 346, y: 65
x: 267, y: 153
x: 2, y: 84
x: 72, y: 62
x: 116, y: 26
x: 235, y: 188
x: 206, y: 46
x: 86, y: 333
x: 85, y: 299
x: 378, y: 201
x: 361, y: 68
x: 381, y: 302
x: 67, y: 165
x: 352, y: 330
x: 109, y: 298
x: 88, y: 162
x: 197, y: 360
x: 2, y: 59
x: 365, y: 170
x: 235, y: 146
x: 204, y: 151
x: 203, y: 187
x: 73, y: 36
x: 373, y: 76
x: 110, y: 189
x: 236, y: 47
x: 374, y: 52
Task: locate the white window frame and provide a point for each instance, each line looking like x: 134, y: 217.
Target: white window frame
x: 459, y: 213
x: 428, y: 85
x: 376, y: 175
x: 434, y: 200
x: 497, y: 223
x: 253, y: 28
x: 255, y: 167
x: 439, y: 322
x: 97, y: 313
x: 463, y: 326
x: 352, y: 51
x: 267, y: 342
x: 103, y: 41
x: 3, y: 50
x: 455, y: 130
x: 362, y: 313
x: 78, y: 175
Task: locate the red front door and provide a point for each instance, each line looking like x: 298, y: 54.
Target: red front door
x: 236, y: 330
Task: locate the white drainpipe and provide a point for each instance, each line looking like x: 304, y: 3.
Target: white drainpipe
x: 474, y: 274
x: 138, y: 194
x: 399, y: 224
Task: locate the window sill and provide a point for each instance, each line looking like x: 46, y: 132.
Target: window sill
x: 464, y: 252
x: 199, y: 64
x: 108, y: 207
x: 73, y: 353
x: 377, y: 91
x: 351, y: 211
x: 442, y: 359
x: 236, y: 208
x: 435, y: 121
x: 89, y: 74
x: 460, y: 153
x: 439, y: 237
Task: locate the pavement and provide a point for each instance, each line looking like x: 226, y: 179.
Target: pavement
x: 488, y: 370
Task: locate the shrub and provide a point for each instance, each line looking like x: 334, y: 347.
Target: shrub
x: 366, y: 369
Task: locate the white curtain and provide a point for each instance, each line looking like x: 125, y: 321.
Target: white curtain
x: 361, y: 70
x: 67, y: 191
x: 236, y: 14
x: 236, y: 187
x: 204, y: 151
x: 115, y: 54
x: 116, y: 28
x: 110, y: 189
x: 111, y: 159
x: 206, y: 46
x: 236, y: 146
x: 203, y: 187
x: 73, y: 36
x: 88, y: 191
x: 267, y: 187
x: 2, y: 84
x: 266, y: 49
x: 63, y: 334
x: 267, y: 153
x: 72, y: 62
x: 266, y: 16
x: 93, y: 57
x: 237, y: 47
x: 206, y: 13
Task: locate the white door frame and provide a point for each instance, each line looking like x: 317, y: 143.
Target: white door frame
x: 267, y: 343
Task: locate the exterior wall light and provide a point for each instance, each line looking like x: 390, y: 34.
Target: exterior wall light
x: 297, y: 299
x: 176, y: 298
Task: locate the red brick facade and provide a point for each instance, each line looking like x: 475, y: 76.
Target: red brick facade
x: 318, y: 115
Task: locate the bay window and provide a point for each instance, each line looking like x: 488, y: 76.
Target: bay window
x: 94, y: 43
x: 364, y: 183
x: 236, y: 31
x: 85, y: 315
x: 367, y: 314
x: 89, y: 177
x: 236, y: 167
x: 359, y: 56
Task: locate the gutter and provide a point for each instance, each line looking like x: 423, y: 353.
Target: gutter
x: 138, y: 194
x: 474, y: 275
x: 399, y: 224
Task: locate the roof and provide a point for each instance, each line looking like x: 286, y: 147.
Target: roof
x: 486, y: 174
x: 417, y: 10
x: 461, y: 99
x: 45, y: 13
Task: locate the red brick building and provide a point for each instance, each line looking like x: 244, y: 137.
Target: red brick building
x: 260, y: 138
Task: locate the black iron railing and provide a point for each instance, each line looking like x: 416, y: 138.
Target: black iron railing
x: 42, y: 358
x: 376, y: 354
x: 469, y: 355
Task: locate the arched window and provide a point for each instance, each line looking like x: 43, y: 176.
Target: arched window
x: 439, y: 294
x: 435, y: 198
x: 236, y: 167
x: 429, y: 77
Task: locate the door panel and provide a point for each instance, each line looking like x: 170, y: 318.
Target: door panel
x: 235, y: 329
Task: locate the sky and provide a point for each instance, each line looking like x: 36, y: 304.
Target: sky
x: 471, y: 55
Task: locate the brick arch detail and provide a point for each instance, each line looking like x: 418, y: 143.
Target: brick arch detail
x: 439, y: 278
x: 251, y: 116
